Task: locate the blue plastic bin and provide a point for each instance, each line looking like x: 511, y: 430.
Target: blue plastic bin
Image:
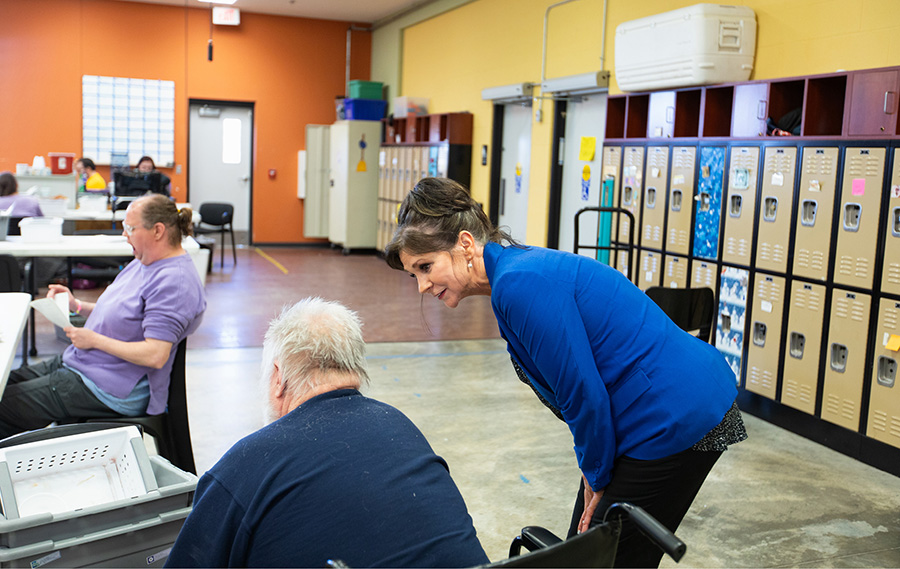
x: 364, y: 109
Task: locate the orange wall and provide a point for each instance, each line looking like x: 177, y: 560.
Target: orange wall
x: 291, y: 68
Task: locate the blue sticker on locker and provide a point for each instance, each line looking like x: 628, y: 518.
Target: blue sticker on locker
x: 709, y: 202
x: 730, y: 324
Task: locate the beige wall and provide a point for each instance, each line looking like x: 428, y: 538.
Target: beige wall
x: 451, y: 57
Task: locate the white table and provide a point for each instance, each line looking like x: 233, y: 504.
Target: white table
x: 14, y: 307
x: 88, y: 246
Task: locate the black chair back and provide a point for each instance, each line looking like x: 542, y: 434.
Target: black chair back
x: 217, y: 214
x: 10, y: 277
x: 593, y: 548
x: 14, y: 228
x: 689, y: 308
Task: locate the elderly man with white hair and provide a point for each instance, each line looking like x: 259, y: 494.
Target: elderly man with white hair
x: 336, y: 475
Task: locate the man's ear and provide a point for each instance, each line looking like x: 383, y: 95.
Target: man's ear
x: 277, y: 381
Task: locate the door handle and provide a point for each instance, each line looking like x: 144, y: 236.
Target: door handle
x: 888, y: 102
x: 245, y: 178
x: 502, y: 196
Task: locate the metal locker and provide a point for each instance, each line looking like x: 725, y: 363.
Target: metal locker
x: 424, y: 157
x: 675, y: 274
x: 800, y: 379
x: 395, y: 172
x: 654, y: 206
x: 629, y: 198
x: 707, y: 214
x: 406, y: 159
x: 859, y: 215
x: 730, y: 323
x: 884, y: 399
x: 703, y: 275
x: 890, y: 279
x: 765, y: 334
x: 681, y: 191
x: 812, y: 234
x: 776, y: 208
x: 740, y: 205
x: 648, y: 275
x: 845, y: 360
x: 443, y: 160
x: 612, y: 163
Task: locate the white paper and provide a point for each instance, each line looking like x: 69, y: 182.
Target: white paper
x: 56, y: 309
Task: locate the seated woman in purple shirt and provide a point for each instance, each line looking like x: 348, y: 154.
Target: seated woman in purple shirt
x: 119, y: 363
x: 23, y: 206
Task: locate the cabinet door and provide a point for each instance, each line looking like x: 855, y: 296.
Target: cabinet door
x: 873, y: 103
x: 751, y: 108
x: 661, y: 115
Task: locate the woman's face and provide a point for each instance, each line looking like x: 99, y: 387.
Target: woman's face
x: 442, y: 275
x: 145, y: 166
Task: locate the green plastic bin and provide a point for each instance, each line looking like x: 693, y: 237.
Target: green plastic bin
x: 365, y: 90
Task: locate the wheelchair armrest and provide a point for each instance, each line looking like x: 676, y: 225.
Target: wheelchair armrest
x: 650, y: 527
x: 532, y: 538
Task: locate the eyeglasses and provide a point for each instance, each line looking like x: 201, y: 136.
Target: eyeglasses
x: 129, y: 229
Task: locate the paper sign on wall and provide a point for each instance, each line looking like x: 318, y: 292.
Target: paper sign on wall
x: 777, y: 179
x: 587, y: 148
x: 858, y: 187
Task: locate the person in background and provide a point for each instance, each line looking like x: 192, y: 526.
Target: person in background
x: 650, y: 407
x: 146, y: 166
x: 120, y: 362
x: 89, y: 180
x: 22, y: 206
x: 336, y: 475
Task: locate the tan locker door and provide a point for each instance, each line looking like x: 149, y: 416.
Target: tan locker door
x: 703, y: 274
x: 859, y: 215
x: 800, y: 378
x: 776, y: 211
x: 884, y: 400
x: 394, y: 184
x: 406, y: 165
x: 612, y: 163
x: 648, y: 275
x: 654, y: 203
x: 890, y: 281
x: 765, y: 334
x: 631, y: 189
x: 422, y: 157
x: 812, y: 237
x: 845, y: 358
x: 740, y: 204
x: 681, y: 192
x: 675, y: 275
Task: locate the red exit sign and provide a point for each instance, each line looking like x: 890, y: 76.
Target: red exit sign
x: 226, y: 16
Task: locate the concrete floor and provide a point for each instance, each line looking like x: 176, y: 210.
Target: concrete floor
x: 775, y: 500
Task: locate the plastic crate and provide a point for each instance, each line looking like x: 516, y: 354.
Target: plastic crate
x: 157, y: 487
x: 364, y: 109
x: 365, y: 89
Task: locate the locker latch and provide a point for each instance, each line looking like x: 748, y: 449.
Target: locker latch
x: 770, y: 209
x: 628, y: 195
x: 839, y: 357
x: 798, y: 343
x: 734, y: 209
x: 704, y: 201
x: 808, y: 212
x: 759, y: 334
x: 852, y: 213
x: 726, y: 323
x: 678, y: 195
x: 887, y: 371
x: 895, y: 222
x: 651, y: 197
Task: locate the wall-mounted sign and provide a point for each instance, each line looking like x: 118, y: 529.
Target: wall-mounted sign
x: 226, y: 16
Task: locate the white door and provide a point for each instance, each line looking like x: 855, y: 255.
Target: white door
x: 221, y: 162
x: 515, y: 167
x: 581, y: 176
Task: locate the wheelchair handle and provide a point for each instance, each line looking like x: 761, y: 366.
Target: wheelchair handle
x: 650, y: 527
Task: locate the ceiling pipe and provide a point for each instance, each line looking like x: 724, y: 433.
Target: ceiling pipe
x: 350, y: 30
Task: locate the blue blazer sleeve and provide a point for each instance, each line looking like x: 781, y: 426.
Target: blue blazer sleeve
x: 546, y: 322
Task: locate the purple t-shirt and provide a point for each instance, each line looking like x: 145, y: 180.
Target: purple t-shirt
x: 26, y: 206
x: 164, y: 301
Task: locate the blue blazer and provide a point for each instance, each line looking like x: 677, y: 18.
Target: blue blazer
x: 626, y: 379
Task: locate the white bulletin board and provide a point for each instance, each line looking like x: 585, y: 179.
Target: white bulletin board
x: 128, y: 116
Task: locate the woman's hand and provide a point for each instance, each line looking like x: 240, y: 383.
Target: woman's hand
x: 82, y: 338
x: 591, y: 501
x: 57, y: 289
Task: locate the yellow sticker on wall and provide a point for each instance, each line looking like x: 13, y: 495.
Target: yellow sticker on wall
x: 588, y: 146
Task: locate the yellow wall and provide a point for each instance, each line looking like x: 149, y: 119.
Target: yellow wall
x: 452, y: 57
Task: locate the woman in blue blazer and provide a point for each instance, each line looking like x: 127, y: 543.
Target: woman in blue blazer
x: 650, y: 407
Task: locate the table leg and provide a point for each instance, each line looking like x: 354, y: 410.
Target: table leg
x: 33, y: 290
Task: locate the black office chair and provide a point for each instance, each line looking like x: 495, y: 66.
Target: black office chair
x: 14, y: 228
x: 10, y: 277
x: 689, y: 308
x: 171, y: 430
x: 221, y: 217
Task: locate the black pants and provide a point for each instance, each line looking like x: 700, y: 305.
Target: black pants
x: 664, y: 487
x: 38, y: 395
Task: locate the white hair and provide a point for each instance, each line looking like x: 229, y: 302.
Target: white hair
x: 315, y: 342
